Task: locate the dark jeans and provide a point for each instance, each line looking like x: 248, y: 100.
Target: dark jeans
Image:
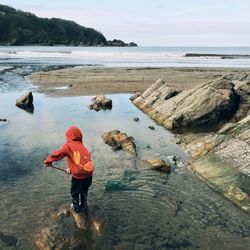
x: 79, y: 192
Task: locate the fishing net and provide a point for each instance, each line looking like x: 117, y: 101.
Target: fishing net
x: 116, y: 186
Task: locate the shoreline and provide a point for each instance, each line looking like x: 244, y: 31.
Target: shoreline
x: 109, y: 80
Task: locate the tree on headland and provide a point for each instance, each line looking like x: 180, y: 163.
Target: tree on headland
x: 24, y: 28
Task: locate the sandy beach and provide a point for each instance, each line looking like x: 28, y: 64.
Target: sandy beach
x: 92, y: 81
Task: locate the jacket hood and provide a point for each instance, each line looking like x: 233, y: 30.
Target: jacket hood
x: 73, y: 134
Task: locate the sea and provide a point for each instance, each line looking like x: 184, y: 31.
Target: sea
x: 137, y: 207
x: 129, y: 56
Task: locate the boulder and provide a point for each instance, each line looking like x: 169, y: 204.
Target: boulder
x: 100, y: 102
x: 158, y: 164
x: 208, y: 104
x: 25, y: 102
x: 118, y: 141
x: 136, y: 119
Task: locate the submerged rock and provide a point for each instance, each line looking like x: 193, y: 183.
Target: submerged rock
x: 208, y: 104
x: 158, y: 164
x: 118, y: 141
x: 26, y: 102
x: 8, y: 240
x: 69, y: 230
x: 100, y: 102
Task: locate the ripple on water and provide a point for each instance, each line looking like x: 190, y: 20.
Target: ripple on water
x: 157, y: 210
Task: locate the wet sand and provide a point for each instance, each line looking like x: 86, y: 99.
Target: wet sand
x: 91, y: 81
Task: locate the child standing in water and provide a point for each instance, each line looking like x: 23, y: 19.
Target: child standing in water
x: 79, y: 165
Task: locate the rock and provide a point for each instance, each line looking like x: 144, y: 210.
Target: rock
x: 158, y: 92
x: 151, y: 127
x: 8, y: 240
x: 136, y: 119
x: 80, y: 219
x: 158, y: 164
x: 3, y: 120
x: 118, y: 140
x: 226, y: 128
x: 243, y: 90
x: 95, y: 107
x: 133, y: 97
x: 69, y: 230
x: 173, y: 159
x: 178, y: 141
x: 100, y: 102
x: 208, y: 104
x: 25, y: 102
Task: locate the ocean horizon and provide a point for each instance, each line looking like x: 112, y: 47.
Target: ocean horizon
x: 142, y: 56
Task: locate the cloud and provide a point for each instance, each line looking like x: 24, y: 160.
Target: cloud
x: 186, y: 33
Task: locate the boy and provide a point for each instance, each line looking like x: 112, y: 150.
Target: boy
x: 78, y: 157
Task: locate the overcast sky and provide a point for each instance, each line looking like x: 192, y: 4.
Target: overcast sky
x: 154, y: 22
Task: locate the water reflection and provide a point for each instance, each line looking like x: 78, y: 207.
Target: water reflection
x: 154, y: 210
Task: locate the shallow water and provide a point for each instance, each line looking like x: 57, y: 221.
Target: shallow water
x: 157, y: 211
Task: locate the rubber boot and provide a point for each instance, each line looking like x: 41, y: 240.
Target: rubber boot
x: 83, y: 204
x: 75, y: 204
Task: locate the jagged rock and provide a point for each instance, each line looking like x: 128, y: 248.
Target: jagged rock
x: 25, y: 102
x: 158, y: 93
x: 100, y: 102
x: 243, y: 90
x: 158, y: 164
x: 208, y: 104
x: 134, y: 96
x: 118, y: 140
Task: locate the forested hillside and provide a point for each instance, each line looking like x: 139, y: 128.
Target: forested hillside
x: 24, y: 28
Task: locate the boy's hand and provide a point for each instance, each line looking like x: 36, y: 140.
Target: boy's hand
x: 68, y: 171
x: 47, y: 164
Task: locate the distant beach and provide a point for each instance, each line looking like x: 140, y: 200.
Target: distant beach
x: 93, y: 81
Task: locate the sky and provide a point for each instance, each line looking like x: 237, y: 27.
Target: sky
x: 154, y: 22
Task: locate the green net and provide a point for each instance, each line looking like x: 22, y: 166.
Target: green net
x: 116, y: 186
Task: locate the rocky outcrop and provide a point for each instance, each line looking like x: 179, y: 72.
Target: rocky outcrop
x: 120, y: 43
x: 208, y: 104
x: 25, y: 102
x: 243, y: 90
x: 222, y: 159
x: 158, y: 164
x: 100, y: 102
x: 118, y: 141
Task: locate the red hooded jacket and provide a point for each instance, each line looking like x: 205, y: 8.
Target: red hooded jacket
x: 77, y: 154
